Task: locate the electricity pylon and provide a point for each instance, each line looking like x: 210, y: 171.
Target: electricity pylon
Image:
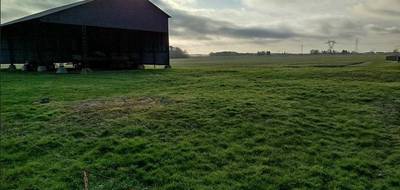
x: 357, y: 43
x: 331, y: 44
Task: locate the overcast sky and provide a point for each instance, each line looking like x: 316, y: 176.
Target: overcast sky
x: 202, y: 26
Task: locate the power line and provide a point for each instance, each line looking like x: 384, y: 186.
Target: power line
x: 331, y: 45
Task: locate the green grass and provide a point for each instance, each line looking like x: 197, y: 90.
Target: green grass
x: 297, y: 122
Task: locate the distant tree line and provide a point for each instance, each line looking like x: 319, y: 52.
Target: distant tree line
x: 225, y: 53
x: 343, y: 52
x: 312, y: 52
x: 234, y: 53
x: 176, y: 52
x: 263, y: 53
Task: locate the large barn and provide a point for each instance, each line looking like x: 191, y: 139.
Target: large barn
x: 96, y: 34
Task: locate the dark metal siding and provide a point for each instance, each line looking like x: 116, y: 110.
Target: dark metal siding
x: 4, y: 53
x: 16, y: 43
x: 120, y: 34
x: 107, y: 48
x: 123, y: 14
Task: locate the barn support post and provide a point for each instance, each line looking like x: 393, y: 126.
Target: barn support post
x: 1, y: 37
x: 154, y: 54
x: 31, y: 65
x: 61, y: 69
x: 168, y: 58
x: 26, y: 37
x: 11, y: 50
x: 142, y: 50
x: 41, y: 43
x: 12, y: 66
x: 85, y: 46
x: 168, y: 66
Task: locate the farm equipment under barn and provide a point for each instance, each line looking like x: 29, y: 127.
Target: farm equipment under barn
x: 101, y: 34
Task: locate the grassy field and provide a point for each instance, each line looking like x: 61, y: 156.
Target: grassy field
x: 295, y: 122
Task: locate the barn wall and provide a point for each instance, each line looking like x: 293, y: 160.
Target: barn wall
x: 17, y: 43
x: 45, y: 44
x: 4, y: 53
x: 136, y: 47
x: 137, y: 15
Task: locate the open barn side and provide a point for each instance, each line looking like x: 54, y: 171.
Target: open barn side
x: 96, y: 47
x: 100, y: 34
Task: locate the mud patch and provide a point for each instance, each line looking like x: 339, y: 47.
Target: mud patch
x: 100, y: 110
x: 117, y: 103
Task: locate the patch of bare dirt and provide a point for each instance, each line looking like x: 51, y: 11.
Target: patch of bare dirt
x: 103, y: 109
x: 127, y: 104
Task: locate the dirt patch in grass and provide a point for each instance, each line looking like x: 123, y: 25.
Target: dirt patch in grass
x: 114, y: 108
x: 128, y: 104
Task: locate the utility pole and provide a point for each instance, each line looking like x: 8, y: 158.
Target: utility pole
x: 357, y: 43
x: 302, y: 48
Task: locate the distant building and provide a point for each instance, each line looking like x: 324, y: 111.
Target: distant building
x: 393, y: 57
x: 98, y: 34
x: 263, y: 53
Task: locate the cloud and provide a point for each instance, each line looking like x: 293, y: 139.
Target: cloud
x: 13, y: 9
x: 384, y: 9
x: 250, y: 25
x: 10, y: 13
x: 200, y: 27
x: 341, y: 27
x: 383, y: 30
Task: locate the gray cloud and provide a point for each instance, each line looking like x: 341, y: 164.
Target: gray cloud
x: 199, y: 27
x: 12, y: 9
x: 386, y: 9
x: 333, y: 27
x: 184, y: 24
x: 384, y: 30
x: 271, y: 24
x: 10, y: 14
x: 188, y: 26
x: 206, y: 28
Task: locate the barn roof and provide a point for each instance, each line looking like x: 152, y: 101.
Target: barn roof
x: 47, y: 12
x: 124, y: 14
